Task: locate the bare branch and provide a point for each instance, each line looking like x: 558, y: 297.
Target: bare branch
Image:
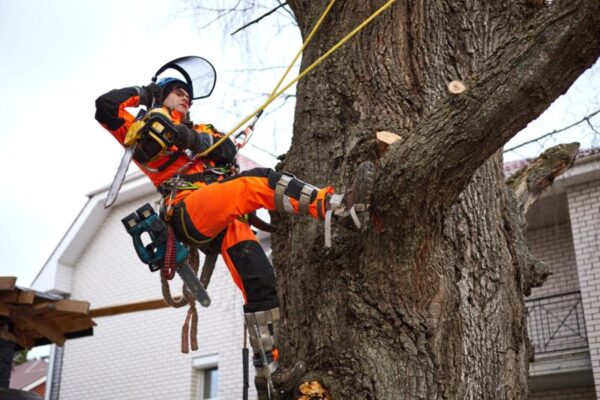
x: 257, y: 20
x: 545, y: 135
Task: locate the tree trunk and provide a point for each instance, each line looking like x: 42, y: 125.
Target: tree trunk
x: 428, y: 302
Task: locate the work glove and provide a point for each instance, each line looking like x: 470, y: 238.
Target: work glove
x: 224, y: 153
x: 150, y: 93
x: 187, y: 138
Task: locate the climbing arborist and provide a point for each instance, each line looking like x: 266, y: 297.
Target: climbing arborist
x: 206, y: 202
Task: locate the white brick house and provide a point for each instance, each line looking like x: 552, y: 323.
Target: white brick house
x: 138, y: 355
x: 564, y: 324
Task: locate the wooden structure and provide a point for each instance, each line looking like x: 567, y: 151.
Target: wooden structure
x: 39, y: 318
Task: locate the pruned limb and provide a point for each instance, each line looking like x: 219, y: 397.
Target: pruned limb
x: 516, y: 84
x: 535, y: 274
x: 530, y: 182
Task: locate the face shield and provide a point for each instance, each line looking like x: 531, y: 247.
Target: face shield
x: 199, y: 74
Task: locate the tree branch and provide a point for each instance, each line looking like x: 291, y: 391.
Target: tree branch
x: 516, y: 85
x: 257, y: 20
x: 530, y: 182
x: 545, y: 135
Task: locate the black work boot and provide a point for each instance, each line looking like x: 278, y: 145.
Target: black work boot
x: 285, y: 381
x: 263, y: 330
x: 350, y: 209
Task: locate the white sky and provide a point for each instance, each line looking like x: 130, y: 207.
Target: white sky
x: 58, y: 56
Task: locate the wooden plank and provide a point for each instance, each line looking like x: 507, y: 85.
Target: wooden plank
x: 23, y: 338
x: 25, y: 297
x: 9, y: 296
x: 17, y: 296
x: 7, y: 282
x: 384, y: 139
x: 4, y: 311
x: 44, y: 329
x: 128, y: 308
x: 73, y: 306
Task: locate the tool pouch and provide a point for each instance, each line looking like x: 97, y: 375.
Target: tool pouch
x: 149, y: 235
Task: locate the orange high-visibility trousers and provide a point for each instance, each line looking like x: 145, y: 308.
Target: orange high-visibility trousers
x: 211, y: 213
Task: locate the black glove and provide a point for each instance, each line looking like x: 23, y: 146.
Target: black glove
x: 224, y: 153
x: 187, y: 138
x: 150, y: 93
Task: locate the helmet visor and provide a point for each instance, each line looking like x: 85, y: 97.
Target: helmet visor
x: 198, y: 72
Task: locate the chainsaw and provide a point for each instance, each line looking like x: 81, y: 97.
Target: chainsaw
x: 144, y: 225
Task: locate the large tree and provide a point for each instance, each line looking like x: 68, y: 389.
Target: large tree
x: 428, y: 302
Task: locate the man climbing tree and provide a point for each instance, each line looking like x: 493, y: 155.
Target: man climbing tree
x: 205, y: 203
x: 428, y: 302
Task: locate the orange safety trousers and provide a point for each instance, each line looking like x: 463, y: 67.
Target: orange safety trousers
x: 211, y: 213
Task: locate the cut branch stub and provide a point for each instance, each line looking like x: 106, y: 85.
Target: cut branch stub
x: 384, y: 140
x: 457, y: 87
x: 530, y: 182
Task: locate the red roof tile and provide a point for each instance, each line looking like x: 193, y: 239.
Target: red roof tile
x: 27, y: 373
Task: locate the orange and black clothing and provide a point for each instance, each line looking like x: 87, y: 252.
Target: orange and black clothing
x: 210, y: 214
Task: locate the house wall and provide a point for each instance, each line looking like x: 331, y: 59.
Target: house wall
x: 584, y: 209
x: 575, y: 393
x: 554, y: 246
x: 138, y: 355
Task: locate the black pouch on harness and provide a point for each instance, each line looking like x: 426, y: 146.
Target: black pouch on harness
x: 188, y: 234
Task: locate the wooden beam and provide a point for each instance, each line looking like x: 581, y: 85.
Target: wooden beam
x: 44, y: 329
x: 9, y: 296
x: 128, y: 308
x: 7, y: 282
x: 23, y: 339
x: 4, y: 311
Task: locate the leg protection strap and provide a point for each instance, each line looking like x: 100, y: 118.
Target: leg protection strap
x: 335, y: 204
x: 282, y: 203
x: 263, y: 330
x: 282, y: 194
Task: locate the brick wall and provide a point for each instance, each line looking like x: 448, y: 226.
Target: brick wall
x: 576, y: 393
x: 138, y: 355
x: 554, y: 246
x: 584, y: 209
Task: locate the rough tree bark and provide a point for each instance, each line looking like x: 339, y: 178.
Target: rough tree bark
x: 428, y: 303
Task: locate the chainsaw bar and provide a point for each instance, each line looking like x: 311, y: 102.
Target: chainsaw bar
x: 188, y: 276
x: 119, y: 176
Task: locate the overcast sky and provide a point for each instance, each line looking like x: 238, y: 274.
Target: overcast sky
x: 58, y: 56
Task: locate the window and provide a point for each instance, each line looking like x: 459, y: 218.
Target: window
x: 207, y: 373
x: 209, y: 384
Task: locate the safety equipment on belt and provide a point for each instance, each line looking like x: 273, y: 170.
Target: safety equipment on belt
x: 345, y: 207
x: 289, y: 186
x: 151, y: 94
x: 271, y: 379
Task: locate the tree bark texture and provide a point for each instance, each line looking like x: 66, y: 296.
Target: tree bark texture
x: 428, y: 302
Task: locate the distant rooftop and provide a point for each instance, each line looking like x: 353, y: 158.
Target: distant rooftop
x: 28, y: 373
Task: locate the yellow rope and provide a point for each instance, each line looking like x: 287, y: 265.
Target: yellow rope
x: 300, y: 76
x: 306, y: 42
